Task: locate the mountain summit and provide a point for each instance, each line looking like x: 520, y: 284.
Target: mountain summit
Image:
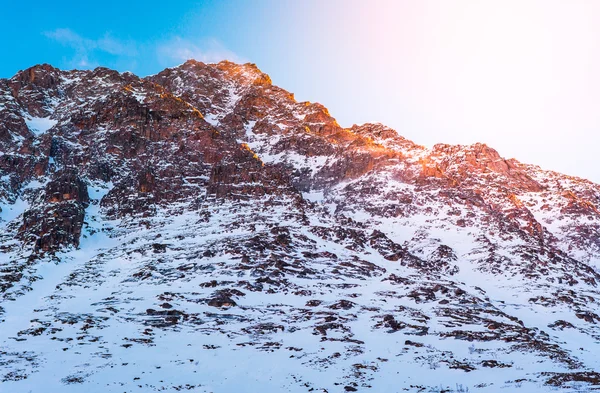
x: 201, y: 230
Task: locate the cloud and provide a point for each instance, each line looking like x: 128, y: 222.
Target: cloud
x: 87, y: 49
x: 65, y: 36
x: 180, y: 49
x: 86, y: 52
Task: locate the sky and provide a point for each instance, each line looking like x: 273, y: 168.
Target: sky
x: 522, y: 76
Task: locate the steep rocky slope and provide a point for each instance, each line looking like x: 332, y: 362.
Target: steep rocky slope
x: 201, y: 230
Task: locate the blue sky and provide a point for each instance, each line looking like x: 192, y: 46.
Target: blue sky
x: 520, y: 75
x: 123, y: 34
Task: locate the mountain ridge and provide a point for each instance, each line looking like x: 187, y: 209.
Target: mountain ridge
x: 204, y: 209
x: 264, y: 78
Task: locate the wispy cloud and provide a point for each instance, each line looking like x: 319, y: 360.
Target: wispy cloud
x: 86, y: 49
x: 180, y: 49
x: 112, y: 52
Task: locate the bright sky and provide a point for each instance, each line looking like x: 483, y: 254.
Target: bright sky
x: 520, y: 75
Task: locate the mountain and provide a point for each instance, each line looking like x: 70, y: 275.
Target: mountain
x: 201, y: 230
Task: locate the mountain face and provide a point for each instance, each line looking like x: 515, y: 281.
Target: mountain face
x: 201, y: 230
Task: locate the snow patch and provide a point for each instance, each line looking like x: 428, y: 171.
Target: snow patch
x: 11, y: 211
x: 39, y: 125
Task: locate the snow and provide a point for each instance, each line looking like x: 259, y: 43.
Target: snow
x: 216, y: 355
x: 211, y: 119
x: 10, y: 211
x: 236, y: 363
x: 314, y: 196
x: 39, y: 125
x: 139, y: 96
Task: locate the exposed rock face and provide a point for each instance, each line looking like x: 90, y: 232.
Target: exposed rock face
x: 57, y: 219
x: 205, y: 202
x: 461, y: 163
x: 66, y: 186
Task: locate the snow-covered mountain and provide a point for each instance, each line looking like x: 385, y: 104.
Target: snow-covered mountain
x: 201, y: 230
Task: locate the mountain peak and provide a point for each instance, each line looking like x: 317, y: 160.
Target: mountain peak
x: 43, y: 75
x: 247, y: 73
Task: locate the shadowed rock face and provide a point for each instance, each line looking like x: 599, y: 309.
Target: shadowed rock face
x: 210, y: 202
x: 56, y: 220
